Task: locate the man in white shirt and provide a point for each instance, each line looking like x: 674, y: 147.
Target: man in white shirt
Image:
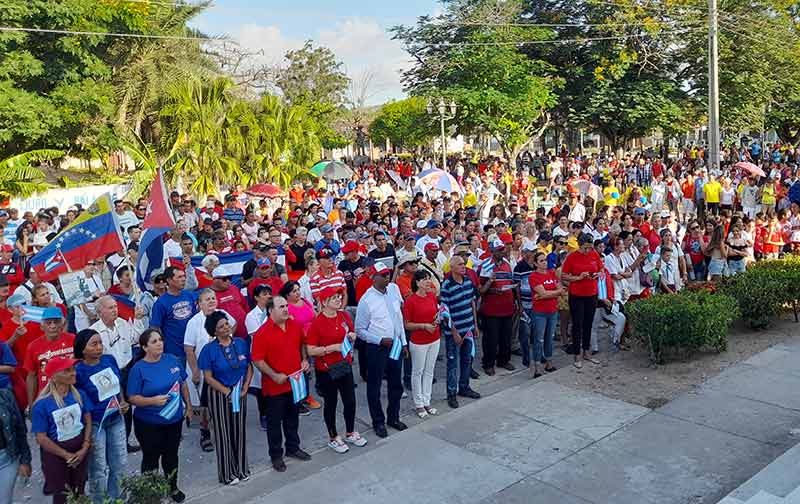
x: 433, y: 229
x: 172, y: 247
x: 379, y: 323
x: 119, y: 337
x: 577, y: 212
x: 126, y: 218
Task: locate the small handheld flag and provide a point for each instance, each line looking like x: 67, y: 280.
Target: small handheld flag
x: 111, y: 408
x: 299, y: 388
x: 347, y: 346
x: 469, y: 337
x: 602, y: 288
x: 236, y: 397
x: 397, y: 347
x: 173, y: 402
x: 32, y: 313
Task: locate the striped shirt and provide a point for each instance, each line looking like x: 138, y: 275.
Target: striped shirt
x: 458, y: 298
x: 235, y: 215
x: 522, y: 272
x: 319, y: 282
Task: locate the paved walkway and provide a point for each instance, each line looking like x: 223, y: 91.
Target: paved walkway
x: 537, y: 442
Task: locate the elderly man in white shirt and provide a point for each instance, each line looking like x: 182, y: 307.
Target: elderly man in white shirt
x: 379, y: 323
x: 119, y: 337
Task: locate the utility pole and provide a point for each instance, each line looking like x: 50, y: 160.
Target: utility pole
x: 442, y: 109
x: 713, y: 86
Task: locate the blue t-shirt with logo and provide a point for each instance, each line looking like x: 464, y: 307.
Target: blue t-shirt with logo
x: 149, y: 379
x: 101, y: 383
x: 171, y: 314
x: 228, y: 364
x: 60, y: 423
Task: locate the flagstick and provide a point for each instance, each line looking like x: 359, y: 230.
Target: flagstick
x: 137, y: 294
x: 69, y: 270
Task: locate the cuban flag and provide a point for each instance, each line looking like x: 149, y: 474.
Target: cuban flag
x: 173, y: 402
x: 397, y: 347
x: 232, y: 264
x: 444, y: 313
x: 236, y: 397
x: 157, y: 222
x: 94, y: 233
x: 32, y: 313
x: 469, y: 337
x: 126, y: 307
x: 111, y: 408
x: 602, y: 288
x: 299, y: 387
x: 347, y: 346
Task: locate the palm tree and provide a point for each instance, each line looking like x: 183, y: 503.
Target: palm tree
x: 143, y: 68
x: 195, y: 117
x: 287, y: 143
x: 18, y: 176
x: 147, y: 160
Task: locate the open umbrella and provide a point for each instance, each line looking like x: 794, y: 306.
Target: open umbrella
x: 442, y: 181
x: 396, y: 178
x: 751, y: 168
x: 265, y: 191
x: 332, y: 170
x: 425, y: 173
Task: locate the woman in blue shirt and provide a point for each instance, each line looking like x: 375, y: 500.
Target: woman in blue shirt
x: 99, y: 378
x: 157, y: 390
x: 62, y: 422
x: 225, y: 362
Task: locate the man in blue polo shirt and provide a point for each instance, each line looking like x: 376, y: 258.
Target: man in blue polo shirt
x: 232, y: 213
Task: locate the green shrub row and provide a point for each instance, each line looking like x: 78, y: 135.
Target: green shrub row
x: 679, y: 325
x: 765, y: 291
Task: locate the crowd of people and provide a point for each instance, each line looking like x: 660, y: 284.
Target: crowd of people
x: 532, y: 260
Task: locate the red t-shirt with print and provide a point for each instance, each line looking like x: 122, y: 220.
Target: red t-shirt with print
x: 325, y: 331
x: 40, y: 352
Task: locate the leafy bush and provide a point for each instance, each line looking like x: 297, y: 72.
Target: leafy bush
x: 147, y: 488
x: 681, y: 324
x: 765, y: 290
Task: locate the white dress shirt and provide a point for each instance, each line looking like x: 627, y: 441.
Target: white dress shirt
x: 118, y: 341
x: 379, y: 315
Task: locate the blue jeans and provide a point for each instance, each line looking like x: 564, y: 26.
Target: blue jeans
x: 8, y: 476
x: 525, y: 337
x: 108, y: 458
x: 459, y: 363
x: 544, y: 328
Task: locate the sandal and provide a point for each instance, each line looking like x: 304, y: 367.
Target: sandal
x: 593, y: 360
x: 421, y: 412
x: 577, y: 364
x: 431, y: 411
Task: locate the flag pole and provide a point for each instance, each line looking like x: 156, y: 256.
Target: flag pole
x: 136, y: 292
x: 58, y: 249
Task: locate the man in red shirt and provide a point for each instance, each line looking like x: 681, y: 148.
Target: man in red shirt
x: 55, y: 342
x: 497, y: 309
x: 327, y: 275
x: 264, y: 275
x: 230, y: 299
x: 278, y: 352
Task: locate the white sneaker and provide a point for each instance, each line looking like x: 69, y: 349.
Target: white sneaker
x: 355, y: 438
x: 405, y: 395
x: 234, y: 481
x: 338, y: 445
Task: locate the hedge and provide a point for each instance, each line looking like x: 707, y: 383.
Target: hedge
x: 765, y: 291
x: 677, y: 325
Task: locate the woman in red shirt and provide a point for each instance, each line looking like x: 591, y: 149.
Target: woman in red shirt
x: 546, y: 289
x: 421, y: 315
x: 581, y: 270
x: 324, y: 340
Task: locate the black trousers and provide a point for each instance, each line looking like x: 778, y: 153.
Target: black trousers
x: 160, y: 442
x: 379, y: 362
x: 261, y: 400
x: 497, y: 340
x: 331, y: 390
x: 361, y: 347
x: 283, y: 420
x: 582, y: 309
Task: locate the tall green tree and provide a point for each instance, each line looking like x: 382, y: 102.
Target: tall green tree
x: 314, y: 79
x: 471, y: 54
x: 406, y: 123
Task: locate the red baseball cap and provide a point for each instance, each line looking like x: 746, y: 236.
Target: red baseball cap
x: 350, y: 246
x: 431, y: 246
x: 328, y: 292
x: 58, y: 364
x: 379, y: 269
x: 7, y: 248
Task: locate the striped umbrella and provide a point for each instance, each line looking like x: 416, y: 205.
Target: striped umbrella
x: 332, y: 170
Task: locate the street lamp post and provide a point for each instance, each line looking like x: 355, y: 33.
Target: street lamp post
x: 442, y: 110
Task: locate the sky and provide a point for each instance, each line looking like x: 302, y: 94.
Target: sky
x: 355, y: 30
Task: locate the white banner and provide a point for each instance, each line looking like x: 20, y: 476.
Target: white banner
x: 65, y: 198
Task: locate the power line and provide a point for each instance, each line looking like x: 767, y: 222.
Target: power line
x: 106, y: 34
x: 568, y: 25
x: 175, y: 5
